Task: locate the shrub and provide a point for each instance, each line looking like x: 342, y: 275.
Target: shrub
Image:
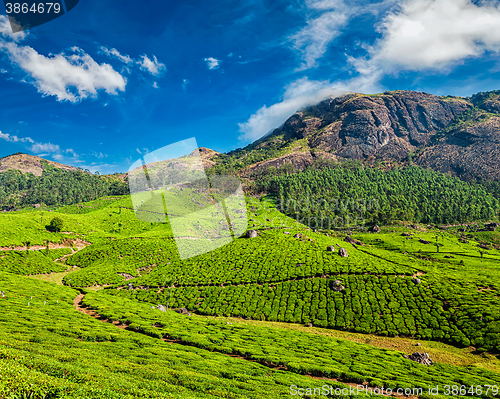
x: 56, y: 224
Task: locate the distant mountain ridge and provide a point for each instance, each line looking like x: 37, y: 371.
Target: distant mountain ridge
x: 449, y: 134
x: 455, y: 135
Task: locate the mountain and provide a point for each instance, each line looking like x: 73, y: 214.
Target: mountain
x: 470, y: 148
x: 29, y: 164
x: 450, y: 134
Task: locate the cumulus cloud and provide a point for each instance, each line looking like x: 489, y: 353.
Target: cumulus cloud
x: 114, y: 53
x: 49, y: 148
x: 68, y: 77
x: 212, y: 63
x: 299, y: 94
x: 15, y: 139
x: 433, y: 34
x: 154, y: 67
x: 324, y: 23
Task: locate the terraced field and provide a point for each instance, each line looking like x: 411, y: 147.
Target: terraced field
x: 415, y: 282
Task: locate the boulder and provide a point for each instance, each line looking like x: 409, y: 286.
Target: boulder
x: 286, y: 232
x: 416, y: 281
x: 337, y: 286
x: 183, y: 311
x: 252, y: 234
x: 406, y: 234
x: 424, y: 241
x: 422, y: 358
x: 351, y: 240
x: 130, y: 286
x: 376, y: 229
x: 331, y: 248
x: 297, y: 235
x: 463, y: 241
x: 343, y: 252
x: 161, y: 308
x: 308, y: 325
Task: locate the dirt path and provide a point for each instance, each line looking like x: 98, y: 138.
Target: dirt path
x: 78, y: 243
x: 83, y: 309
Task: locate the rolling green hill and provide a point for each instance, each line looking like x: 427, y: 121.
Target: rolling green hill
x: 439, y: 287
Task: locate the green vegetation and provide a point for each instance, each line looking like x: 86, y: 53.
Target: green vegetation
x: 55, y: 187
x: 304, y: 353
x: 285, y: 274
x: 261, y: 150
x: 340, y: 196
x: 31, y: 262
x: 56, y: 224
x: 49, y: 350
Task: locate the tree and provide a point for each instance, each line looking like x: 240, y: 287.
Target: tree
x: 56, y: 224
x: 28, y: 245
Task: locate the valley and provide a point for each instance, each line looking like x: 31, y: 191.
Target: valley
x: 370, y: 259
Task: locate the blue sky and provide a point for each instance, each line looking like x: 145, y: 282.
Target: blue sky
x: 110, y: 81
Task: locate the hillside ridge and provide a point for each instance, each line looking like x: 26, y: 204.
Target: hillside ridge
x: 29, y: 164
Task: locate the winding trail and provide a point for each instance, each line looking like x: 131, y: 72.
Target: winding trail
x: 78, y: 302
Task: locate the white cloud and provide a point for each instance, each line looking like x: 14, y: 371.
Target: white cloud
x: 185, y: 83
x: 114, y: 53
x: 6, y: 30
x: 68, y: 77
x: 434, y: 34
x: 15, y: 139
x: 212, y: 63
x: 299, y: 94
x: 324, y: 23
x: 39, y: 148
x: 155, y: 85
x: 154, y: 67
x: 99, y: 155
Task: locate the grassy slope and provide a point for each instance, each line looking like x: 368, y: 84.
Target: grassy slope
x: 49, y: 350
x: 467, y: 290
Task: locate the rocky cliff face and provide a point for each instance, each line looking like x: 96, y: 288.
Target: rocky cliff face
x: 388, y: 126
x: 449, y: 134
x: 471, y: 150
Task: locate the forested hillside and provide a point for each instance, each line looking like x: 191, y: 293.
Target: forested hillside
x: 381, y: 197
x: 55, y: 187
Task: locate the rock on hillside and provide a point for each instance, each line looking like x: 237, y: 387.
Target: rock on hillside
x: 29, y: 164
x: 388, y: 125
x: 470, y: 151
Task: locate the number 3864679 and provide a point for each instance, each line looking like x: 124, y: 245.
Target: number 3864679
x: 24, y: 8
